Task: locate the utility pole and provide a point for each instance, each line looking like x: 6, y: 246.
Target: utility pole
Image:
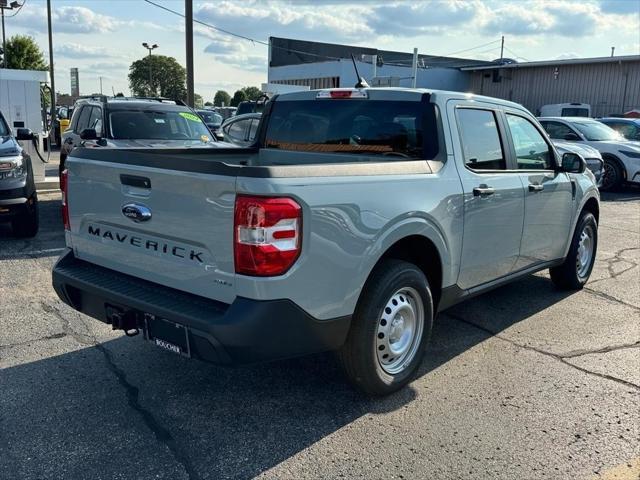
x: 188, y: 18
x: 100, y: 85
x: 51, y: 72
x: 613, y: 49
x: 502, y: 49
x: 150, y: 48
x: 414, y: 68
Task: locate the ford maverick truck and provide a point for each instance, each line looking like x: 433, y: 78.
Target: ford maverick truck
x: 354, y: 218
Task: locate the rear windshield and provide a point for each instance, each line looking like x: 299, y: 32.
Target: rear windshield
x: 210, y: 117
x: 575, y: 112
x: 391, y: 129
x: 157, y: 125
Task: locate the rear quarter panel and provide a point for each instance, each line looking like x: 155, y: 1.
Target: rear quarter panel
x: 348, y: 224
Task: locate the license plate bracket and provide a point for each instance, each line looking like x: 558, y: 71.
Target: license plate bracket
x: 167, y: 335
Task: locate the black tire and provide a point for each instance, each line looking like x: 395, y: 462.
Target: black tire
x: 26, y: 226
x: 612, y: 175
x: 359, y: 354
x: 569, y: 276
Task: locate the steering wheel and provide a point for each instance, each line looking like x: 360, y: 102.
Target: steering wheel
x: 398, y: 154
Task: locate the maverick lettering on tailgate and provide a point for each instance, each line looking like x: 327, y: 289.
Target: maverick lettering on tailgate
x: 151, y: 245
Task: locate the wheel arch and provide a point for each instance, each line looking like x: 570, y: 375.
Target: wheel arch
x: 618, y: 162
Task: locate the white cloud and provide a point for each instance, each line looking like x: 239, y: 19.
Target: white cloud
x: 75, y: 50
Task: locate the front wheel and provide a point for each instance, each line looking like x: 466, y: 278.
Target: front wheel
x: 612, y: 175
x: 391, y: 327
x: 577, y: 267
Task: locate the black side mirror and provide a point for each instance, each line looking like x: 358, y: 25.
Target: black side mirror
x: 573, y: 163
x: 572, y: 137
x: 88, y: 134
x: 24, y: 134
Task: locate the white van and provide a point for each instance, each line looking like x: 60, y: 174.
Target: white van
x: 566, y: 110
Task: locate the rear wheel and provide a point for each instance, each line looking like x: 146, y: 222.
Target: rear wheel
x: 391, y: 326
x: 612, y: 175
x: 27, y: 225
x: 577, y: 267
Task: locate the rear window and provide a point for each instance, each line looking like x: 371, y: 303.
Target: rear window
x: 575, y: 112
x: 157, y: 125
x: 389, y: 129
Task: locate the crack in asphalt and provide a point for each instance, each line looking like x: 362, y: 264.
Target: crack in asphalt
x: 54, y: 336
x: 555, y: 356
x: 617, y: 258
x: 162, y: 434
x: 611, y: 298
x: 580, y: 353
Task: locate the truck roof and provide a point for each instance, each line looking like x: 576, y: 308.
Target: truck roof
x: 398, y: 93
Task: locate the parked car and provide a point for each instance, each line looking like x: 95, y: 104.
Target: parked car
x: 134, y: 123
x: 18, y: 197
x: 621, y: 157
x: 355, y: 218
x: 241, y: 129
x: 629, y: 128
x: 592, y: 156
x: 566, y: 110
x: 213, y: 121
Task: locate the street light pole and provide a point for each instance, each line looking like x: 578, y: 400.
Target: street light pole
x: 150, y: 48
x: 5, y: 5
x: 188, y: 28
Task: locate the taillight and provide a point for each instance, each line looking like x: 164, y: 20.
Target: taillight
x: 64, y: 183
x: 267, y: 235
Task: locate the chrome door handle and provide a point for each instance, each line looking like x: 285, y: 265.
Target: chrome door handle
x: 535, y: 187
x: 483, y: 191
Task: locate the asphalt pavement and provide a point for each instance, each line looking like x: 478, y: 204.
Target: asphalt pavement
x: 525, y: 382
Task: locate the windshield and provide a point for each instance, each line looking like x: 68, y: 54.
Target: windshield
x: 575, y: 112
x: 596, y: 131
x: 210, y: 117
x: 4, y: 129
x: 157, y: 125
x: 369, y: 127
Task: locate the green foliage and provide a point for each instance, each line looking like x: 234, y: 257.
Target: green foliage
x: 208, y: 104
x: 238, y: 97
x: 252, y: 93
x: 23, y: 53
x: 158, y: 75
x: 221, y: 98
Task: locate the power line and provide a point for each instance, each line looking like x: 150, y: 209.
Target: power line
x: 472, y: 48
x: 517, y: 56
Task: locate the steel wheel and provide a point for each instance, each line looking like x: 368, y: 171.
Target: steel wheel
x: 399, y: 331
x: 584, y: 256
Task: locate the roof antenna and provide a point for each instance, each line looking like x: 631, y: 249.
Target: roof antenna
x: 362, y: 83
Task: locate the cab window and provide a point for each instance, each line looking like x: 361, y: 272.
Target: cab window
x: 532, y: 151
x: 480, y: 139
x: 95, y: 120
x: 83, y: 119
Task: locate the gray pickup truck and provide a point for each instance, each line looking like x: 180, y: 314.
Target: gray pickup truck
x: 357, y: 216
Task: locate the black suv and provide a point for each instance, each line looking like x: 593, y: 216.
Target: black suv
x: 134, y: 123
x: 18, y: 198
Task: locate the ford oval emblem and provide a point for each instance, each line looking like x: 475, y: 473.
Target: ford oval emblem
x: 136, y: 212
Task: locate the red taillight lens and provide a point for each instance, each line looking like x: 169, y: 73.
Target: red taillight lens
x: 267, y: 235
x: 64, y: 182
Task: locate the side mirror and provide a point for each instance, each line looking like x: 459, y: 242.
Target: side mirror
x: 572, y: 137
x: 88, y: 134
x: 24, y: 134
x: 573, y: 163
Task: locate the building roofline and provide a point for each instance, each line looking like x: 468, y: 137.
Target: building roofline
x: 554, y: 63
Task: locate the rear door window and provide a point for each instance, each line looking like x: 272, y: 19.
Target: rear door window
x: 480, y: 139
x: 559, y: 131
x: 392, y: 130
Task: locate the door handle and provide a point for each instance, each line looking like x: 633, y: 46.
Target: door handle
x: 483, y: 191
x: 535, y: 187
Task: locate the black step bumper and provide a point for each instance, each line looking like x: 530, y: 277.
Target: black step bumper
x: 246, y: 331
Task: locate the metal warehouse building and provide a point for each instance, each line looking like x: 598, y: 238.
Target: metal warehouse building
x: 611, y: 85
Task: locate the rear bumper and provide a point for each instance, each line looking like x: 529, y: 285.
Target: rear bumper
x: 246, y: 331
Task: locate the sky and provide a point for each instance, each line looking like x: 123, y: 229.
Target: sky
x: 103, y: 37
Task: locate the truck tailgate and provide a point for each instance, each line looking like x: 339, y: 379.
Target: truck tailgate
x: 185, y: 243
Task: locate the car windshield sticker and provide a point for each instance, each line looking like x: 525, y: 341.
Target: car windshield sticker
x: 190, y: 116
x: 158, y: 120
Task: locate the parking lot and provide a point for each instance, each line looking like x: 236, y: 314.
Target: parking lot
x: 524, y: 382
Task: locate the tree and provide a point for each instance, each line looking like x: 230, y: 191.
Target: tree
x: 252, y: 93
x: 238, y: 97
x: 221, y: 98
x: 158, y: 75
x: 198, y: 101
x: 208, y: 104
x: 23, y: 53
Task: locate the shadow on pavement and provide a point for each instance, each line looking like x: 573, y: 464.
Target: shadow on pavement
x: 92, y: 410
x: 627, y: 193
x: 50, y: 234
